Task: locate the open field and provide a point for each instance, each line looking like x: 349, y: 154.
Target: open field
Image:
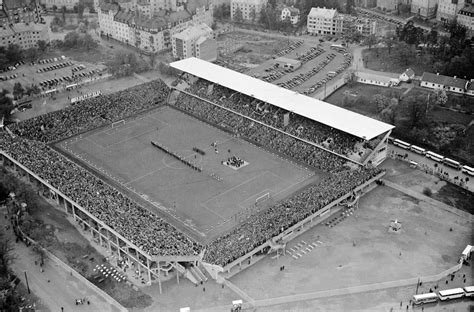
x: 196, y: 201
x: 379, y: 59
x: 359, y: 97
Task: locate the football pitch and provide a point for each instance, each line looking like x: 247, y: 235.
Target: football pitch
x: 203, y: 203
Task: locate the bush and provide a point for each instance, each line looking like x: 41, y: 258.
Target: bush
x: 427, y: 191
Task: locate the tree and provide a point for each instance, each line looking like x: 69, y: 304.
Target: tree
x: 63, y: 14
x: 417, y: 109
x: 389, y: 42
x: 42, y: 45
x: 54, y: 8
x: 238, y: 18
x: 71, y: 40
x: 18, y: 90
x: 253, y: 15
x: 88, y: 42
x: 14, y: 53
x: 371, y: 40
x: 6, y: 105
x: 80, y: 10
x: 380, y: 101
x: 389, y: 113
x: 402, y: 53
x: 350, y: 6
x: 40, y: 253
x: 457, y: 31
x: 438, y: 97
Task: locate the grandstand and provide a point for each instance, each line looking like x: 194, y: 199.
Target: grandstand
x: 366, y: 129
x: 272, y: 118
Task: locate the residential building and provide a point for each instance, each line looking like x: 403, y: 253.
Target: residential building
x: 447, y: 83
x: 366, y: 3
x: 466, y: 18
x: 448, y: 9
x: 197, y: 40
x: 324, y: 21
x: 424, y: 8
x: 250, y: 9
x: 377, y: 80
x: 23, y: 34
x: 470, y: 88
x: 291, y: 13
x: 388, y: 5
x: 21, y: 23
x: 407, y: 75
x: 69, y: 4
x: 147, y: 30
x: 363, y: 25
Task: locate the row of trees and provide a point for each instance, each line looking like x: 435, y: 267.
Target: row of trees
x: 13, y: 53
x: 126, y: 63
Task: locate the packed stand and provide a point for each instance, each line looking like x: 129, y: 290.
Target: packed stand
x: 146, y: 230
x: 92, y: 113
x: 262, y: 227
x: 304, y: 128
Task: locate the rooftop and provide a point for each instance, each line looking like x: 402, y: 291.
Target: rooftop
x: 194, y: 32
x: 323, y: 12
x: 339, y: 118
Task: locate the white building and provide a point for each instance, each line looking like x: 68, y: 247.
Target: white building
x: 448, y: 9
x: 250, y: 9
x: 466, y: 18
x: 324, y: 21
x: 407, y: 75
x: 424, y: 8
x: 291, y: 13
x: 437, y: 81
x: 149, y: 32
x: 195, y: 41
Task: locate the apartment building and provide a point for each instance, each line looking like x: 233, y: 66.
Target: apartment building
x: 250, y: 9
x: 448, y: 9
x: 324, y: 21
x: 424, y: 8
x: 69, y: 4
x: 465, y: 17
x: 24, y: 35
x: 150, y: 32
x: 198, y: 41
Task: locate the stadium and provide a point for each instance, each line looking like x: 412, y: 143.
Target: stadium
x: 195, y: 180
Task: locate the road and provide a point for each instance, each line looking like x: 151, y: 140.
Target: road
x: 422, y: 160
x: 55, y: 287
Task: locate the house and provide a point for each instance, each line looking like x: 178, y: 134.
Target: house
x: 195, y: 41
x: 408, y: 75
x: 377, y: 80
x: 447, y: 83
x: 291, y: 13
x: 470, y: 88
x: 466, y: 18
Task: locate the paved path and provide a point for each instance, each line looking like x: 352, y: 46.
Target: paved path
x: 55, y: 287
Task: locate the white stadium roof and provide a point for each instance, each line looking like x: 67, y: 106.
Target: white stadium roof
x: 333, y: 116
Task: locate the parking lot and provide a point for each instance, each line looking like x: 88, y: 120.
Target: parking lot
x: 50, y: 75
x: 320, y: 64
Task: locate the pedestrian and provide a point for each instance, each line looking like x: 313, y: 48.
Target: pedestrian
x: 401, y: 303
x: 62, y: 309
x: 204, y: 289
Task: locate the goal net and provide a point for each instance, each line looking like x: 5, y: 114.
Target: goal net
x: 118, y: 123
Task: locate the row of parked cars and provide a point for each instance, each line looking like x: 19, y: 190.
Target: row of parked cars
x: 309, y: 55
x: 290, y: 48
x: 50, y: 60
x: 332, y: 74
x: 8, y: 77
x: 78, y: 68
x: 379, y: 17
x: 301, y: 78
x: 66, y: 79
x: 54, y: 67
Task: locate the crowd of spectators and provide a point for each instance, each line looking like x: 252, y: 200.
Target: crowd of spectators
x: 146, y: 230
x: 92, y: 113
x: 302, y: 127
x: 262, y: 227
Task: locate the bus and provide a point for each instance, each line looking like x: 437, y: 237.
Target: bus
x: 449, y: 294
x: 467, y: 170
x: 401, y: 144
x: 452, y: 163
x: 425, y: 298
x: 418, y: 150
x: 434, y: 156
x: 469, y: 291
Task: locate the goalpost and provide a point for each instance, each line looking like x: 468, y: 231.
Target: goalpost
x: 262, y: 198
x: 118, y: 123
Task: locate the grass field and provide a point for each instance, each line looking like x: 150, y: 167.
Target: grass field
x: 196, y: 201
